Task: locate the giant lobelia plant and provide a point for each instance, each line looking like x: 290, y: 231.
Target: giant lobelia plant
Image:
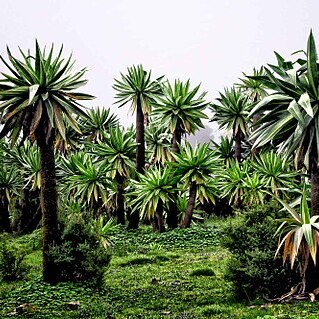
x: 299, y: 234
x: 37, y: 98
x: 289, y: 117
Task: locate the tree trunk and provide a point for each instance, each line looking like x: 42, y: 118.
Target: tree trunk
x: 238, y: 146
x: 134, y: 220
x: 154, y: 223
x: 49, y: 207
x: 172, y: 214
x: 160, y: 218
x: 177, y: 139
x: 190, y: 207
x: 256, y: 117
x: 30, y: 212
x: 120, y: 210
x: 314, y: 175
x: 140, y: 155
x: 4, y: 215
x: 140, y: 139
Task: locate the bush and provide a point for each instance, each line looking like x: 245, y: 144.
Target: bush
x: 12, y: 265
x: 81, y: 255
x: 253, y: 268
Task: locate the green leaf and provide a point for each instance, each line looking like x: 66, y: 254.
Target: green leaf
x: 305, y: 103
x: 294, y: 109
x: 312, y: 67
x: 33, y: 89
x: 36, y: 117
x: 57, y: 113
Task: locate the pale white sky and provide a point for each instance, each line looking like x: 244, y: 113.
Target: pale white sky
x: 211, y: 42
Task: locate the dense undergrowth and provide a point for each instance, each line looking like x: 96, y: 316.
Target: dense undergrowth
x: 177, y: 274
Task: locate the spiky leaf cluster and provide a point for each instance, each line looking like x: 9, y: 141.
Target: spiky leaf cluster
x: 137, y: 85
x: 39, y: 91
x: 181, y: 107
x: 231, y: 111
x: 154, y: 188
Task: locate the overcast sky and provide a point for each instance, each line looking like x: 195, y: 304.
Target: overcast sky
x: 208, y: 41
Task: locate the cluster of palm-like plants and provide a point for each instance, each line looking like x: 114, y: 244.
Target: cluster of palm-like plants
x: 289, y: 121
x: 194, y: 168
x: 289, y: 116
x: 254, y: 180
x: 94, y: 163
x: 118, y: 153
x: 152, y: 172
x: 273, y: 112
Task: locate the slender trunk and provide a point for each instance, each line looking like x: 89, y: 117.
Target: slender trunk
x: 238, y: 146
x: 160, y: 217
x: 140, y: 155
x: 49, y: 207
x: 300, y: 165
x: 134, y: 220
x: 154, y: 223
x: 140, y: 139
x: 5, y: 225
x: 311, y: 274
x: 120, y: 210
x: 172, y: 214
x: 190, y: 207
x: 26, y: 213
x: 314, y: 175
x: 146, y: 120
x: 256, y: 117
x: 30, y: 212
x: 177, y: 139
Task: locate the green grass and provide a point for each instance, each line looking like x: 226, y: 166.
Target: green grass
x: 178, y: 274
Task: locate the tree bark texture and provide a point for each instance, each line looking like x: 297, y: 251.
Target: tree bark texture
x: 314, y: 175
x: 5, y: 225
x: 172, y: 214
x: 190, y: 207
x: 49, y: 206
x: 30, y: 211
x: 160, y: 217
x: 177, y: 139
x: 140, y: 138
x: 120, y: 208
x: 238, y: 146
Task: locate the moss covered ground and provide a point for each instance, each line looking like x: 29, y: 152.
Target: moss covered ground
x: 177, y: 274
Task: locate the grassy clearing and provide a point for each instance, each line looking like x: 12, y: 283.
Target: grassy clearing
x: 178, y: 274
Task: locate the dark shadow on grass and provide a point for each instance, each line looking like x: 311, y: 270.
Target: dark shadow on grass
x: 203, y: 272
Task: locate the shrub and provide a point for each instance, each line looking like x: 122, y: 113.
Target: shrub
x: 253, y: 268
x: 81, y: 255
x: 12, y: 264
